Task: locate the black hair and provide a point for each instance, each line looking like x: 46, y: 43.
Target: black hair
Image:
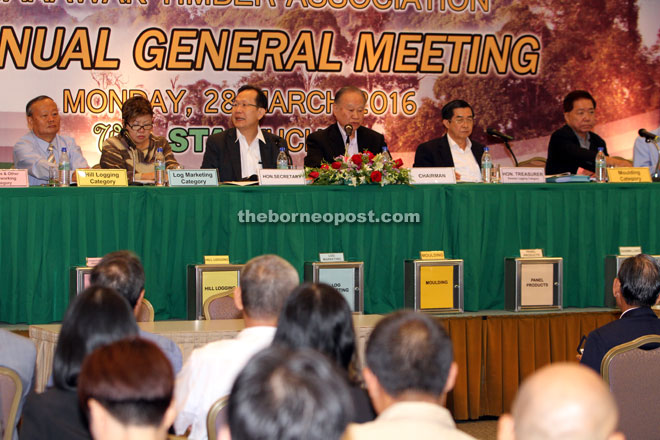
x: 317, y: 316
x: 96, y: 317
x: 134, y: 107
x: 640, y: 280
x: 573, y: 96
x: 284, y: 395
x: 28, y: 106
x: 448, y: 109
x: 262, y: 100
x: 121, y: 271
x: 409, y: 351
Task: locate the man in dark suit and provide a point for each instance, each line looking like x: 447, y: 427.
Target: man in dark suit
x: 238, y: 153
x: 454, y: 149
x: 328, y: 143
x: 575, y: 145
x: 635, y: 289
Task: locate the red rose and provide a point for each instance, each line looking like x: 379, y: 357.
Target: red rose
x: 376, y: 176
x: 398, y: 163
x: 357, y: 159
x: 314, y: 174
x: 336, y: 165
x: 325, y: 166
x: 370, y: 155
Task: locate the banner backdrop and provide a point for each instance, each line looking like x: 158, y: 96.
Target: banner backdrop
x: 513, y: 61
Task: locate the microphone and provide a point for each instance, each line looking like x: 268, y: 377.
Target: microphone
x: 650, y: 137
x: 348, y: 128
x: 127, y: 137
x: 132, y: 148
x: 498, y: 134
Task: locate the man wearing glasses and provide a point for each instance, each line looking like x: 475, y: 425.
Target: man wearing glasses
x: 40, y: 149
x: 239, y: 152
x: 454, y: 149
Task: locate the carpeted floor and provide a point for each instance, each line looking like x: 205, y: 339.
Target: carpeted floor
x: 482, y: 429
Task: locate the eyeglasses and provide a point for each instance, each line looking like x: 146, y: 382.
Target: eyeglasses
x: 460, y: 120
x: 235, y: 104
x: 138, y: 127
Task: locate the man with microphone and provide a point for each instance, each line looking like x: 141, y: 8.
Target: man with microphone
x: 645, y: 153
x: 347, y: 135
x: 454, y: 149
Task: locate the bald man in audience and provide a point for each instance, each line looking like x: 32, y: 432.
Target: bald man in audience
x: 562, y: 402
x: 209, y: 373
x: 410, y: 369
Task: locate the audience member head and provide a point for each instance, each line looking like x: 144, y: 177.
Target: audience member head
x: 348, y: 107
x: 126, y: 389
x: 96, y: 317
x: 266, y: 282
x: 123, y: 272
x: 580, y: 111
x: 285, y: 395
x: 458, y: 119
x: 316, y: 316
x: 409, y: 357
x: 43, y: 117
x: 561, y: 402
x: 638, y: 282
x: 250, y: 106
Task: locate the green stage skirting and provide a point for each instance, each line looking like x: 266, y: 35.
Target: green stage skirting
x: 46, y: 231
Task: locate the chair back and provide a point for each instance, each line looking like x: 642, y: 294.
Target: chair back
x: 145, y: 312
x: 632, y: 374
x: 216, y: 417
x: 11, y: 389
x: 221, y: 306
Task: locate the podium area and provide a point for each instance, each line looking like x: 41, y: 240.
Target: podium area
x: 46, y: 231
x: 494, y: 351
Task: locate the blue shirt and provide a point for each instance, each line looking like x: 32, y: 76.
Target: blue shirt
x: 31, y: 153
x: 645, y: 154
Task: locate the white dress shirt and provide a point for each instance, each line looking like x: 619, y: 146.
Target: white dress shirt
x: 353, y: 145
x: 250, y: 153
x: 209, y: 374
x: 464, y: 162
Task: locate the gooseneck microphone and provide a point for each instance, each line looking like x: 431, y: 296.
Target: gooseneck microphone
x: 650, y: 137
x: 132, y: 148
x: 348, y: 128
x: 505, y: 138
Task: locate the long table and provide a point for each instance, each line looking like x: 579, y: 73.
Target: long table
x: 46, y: 231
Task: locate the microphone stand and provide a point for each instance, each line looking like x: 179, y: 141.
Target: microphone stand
x: 656, y: 175
x: 506, y: 144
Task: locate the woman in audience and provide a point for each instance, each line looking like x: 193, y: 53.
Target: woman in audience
x: 126, y: 390
x: 316, y: 316
x: 96, y: 317
x: 135, y: 144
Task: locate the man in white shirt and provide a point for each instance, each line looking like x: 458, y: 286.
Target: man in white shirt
x: 239, y: 152
x: 40, y: 149
x: 209, y: 373
x: 454, y: 149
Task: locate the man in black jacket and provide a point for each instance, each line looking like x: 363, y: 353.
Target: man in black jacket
x: 238, y: 153
x: 328, y: 143
x: 575, y: 145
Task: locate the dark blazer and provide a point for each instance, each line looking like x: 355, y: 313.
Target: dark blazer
x: 327, y: 143
x: 53, y: 414
x: 632, y: 325
x: 565, y: 154
x: 436, y: 153
x: 224, y: 154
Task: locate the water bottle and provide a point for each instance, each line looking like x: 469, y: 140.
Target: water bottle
x: 282, y: 160
x: 64, y: 168
x: 601, y: 166
x: 159, y: 167
x: 486, y: 166
x: 386, y: 153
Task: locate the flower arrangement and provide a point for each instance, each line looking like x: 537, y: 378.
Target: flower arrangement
x: 359, y: 169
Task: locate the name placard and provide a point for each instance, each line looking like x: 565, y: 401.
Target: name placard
x: 216, y: 259
x: 92, y: 261
x: 531, y: 253
x: 432, y: 255
x: 629, y: 175
x: 14, y: 179
x: 432, y: 175
x: 193, y: 177
x: 281, y: 177
x: 335, y: 257
x: 93, y: 177
x: 522, y: 175
x: 630, y: 251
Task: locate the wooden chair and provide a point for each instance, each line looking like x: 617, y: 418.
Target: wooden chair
x: 221, y: 306
x: 632, y: 374
x: 145, y: 312
x: 216, y: 417
x: 11, y: 390
x: 538, y: 162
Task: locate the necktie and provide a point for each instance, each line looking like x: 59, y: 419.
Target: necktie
x: 51, y: 154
